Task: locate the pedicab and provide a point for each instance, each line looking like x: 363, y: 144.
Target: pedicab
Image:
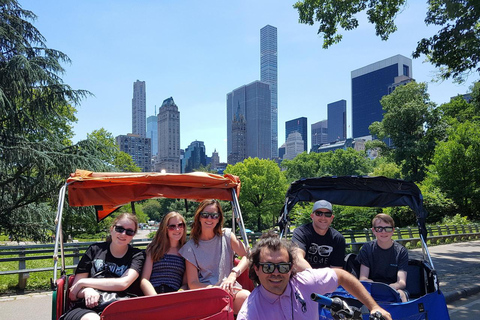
x: 426, y: 299
x: 108, y: 191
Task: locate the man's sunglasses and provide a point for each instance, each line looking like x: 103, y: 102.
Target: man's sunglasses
x: 173, y: 227
x: 381, y: 229
x: 129, y: 232
x: 206, y: 215
x: 282, y: 267
x: 326, y: 214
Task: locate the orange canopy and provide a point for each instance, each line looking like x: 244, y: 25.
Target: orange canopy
x: 107, y: 191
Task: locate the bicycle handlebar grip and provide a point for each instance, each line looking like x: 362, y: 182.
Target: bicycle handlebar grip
x: 321, y: 299
x: 377, y: 316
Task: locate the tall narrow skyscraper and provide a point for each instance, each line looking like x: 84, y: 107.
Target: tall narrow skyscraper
x: 369, y: 85
x: 168, y: 137
x: 337, y: 120
x: 268, y: 74
x: 139, y: 109
x: 152, y: 133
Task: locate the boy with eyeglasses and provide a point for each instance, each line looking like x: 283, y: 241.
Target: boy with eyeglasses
x: 384, y: 260
x: 282, y: 293
x: 319, y: 245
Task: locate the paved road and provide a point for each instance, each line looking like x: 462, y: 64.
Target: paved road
x: 466, y: 308
x: 458, y: 268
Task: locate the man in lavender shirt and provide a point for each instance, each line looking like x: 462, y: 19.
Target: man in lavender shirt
x: 284, y: 294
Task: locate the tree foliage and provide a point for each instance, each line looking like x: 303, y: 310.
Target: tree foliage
x: 36, y: 115
x: 262, y: 193
x: 455, y: 48
x: 456, y: 166
x: 333, y: 163
x: 413, y: 124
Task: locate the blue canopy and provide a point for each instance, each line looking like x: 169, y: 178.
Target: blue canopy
x: 361, y: 191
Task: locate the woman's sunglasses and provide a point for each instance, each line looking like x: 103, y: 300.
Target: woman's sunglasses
x: 282, y: 267
x: 128, y: 232
x: 213, y: 215
x: 173, y: 227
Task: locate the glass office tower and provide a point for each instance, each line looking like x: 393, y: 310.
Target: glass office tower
x: 369, y: 85
x: 337, y: 121
x: 250, y: 102
x: 268, y: 74
x: 299, y: 125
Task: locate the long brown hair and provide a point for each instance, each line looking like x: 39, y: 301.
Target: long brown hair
x: 161, y: 243
x: 197, y: 226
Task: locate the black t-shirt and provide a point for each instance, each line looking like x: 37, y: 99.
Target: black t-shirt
x: 383, y: 264
x: 320, y: 251
x: 99, y: 260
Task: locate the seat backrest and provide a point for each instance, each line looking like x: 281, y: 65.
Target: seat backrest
x: 416, y: 285
x: 352, y: 265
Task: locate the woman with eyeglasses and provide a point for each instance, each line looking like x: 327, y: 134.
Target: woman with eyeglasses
x: 209, y: 253
x: 164, y: 268
x: 110, y: 266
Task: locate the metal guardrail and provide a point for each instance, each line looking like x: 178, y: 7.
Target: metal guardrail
x: 354, y: 240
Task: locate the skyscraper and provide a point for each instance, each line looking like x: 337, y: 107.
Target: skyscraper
x: 319, y: 132
x: 268, y: 74
x: 299, y: 125
x: 152, y: 133
x: 252, y: 101
x: 194, y: 157
x: 239, y: 136
x: 337, y: 120
x: 168, y: 158
x: 138, y: 148
x: 294, y: 145
x: 369, y: 85
x: 139, y: 109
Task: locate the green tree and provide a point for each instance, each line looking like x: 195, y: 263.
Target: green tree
x: 262, y: 193
x: 153, y: 210
x: 36, y: 111
x: 456, y: 167
x: 306, y: 165
x: 455, y: 49
x: 110, y: 152
x: 333, y: 163
x: 413, y: 124
x: 383, y: 167
x: 349, y: 163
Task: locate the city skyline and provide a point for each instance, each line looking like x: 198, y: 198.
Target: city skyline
x: 196, y: 53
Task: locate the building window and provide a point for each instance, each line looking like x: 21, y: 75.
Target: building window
x: 406, y: 70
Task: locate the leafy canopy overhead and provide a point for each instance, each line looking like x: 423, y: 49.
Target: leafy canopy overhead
x: 455, y: 49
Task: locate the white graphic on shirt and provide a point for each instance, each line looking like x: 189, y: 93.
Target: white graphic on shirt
x: 322, y: 250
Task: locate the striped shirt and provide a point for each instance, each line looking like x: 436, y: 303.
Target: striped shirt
x: 168, y: 271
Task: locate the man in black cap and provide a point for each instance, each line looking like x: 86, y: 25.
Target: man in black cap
x: 320, y: 245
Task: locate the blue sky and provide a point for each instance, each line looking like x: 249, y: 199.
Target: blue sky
x: 198, y: 51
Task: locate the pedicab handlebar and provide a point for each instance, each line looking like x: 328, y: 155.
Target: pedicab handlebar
x: 341, y: 310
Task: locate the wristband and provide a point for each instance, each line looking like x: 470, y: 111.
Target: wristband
x: 237, y: 271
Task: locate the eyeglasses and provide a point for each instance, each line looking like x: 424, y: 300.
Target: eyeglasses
x: 326, y: 214
x: 128, y: 232
x: 381, y: 229
x: 282, y: 267
x: 213, y: 215
x: 179, y: 226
